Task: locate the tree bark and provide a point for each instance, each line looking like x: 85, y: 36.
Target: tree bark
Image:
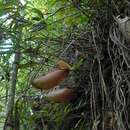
x: 9, y: 110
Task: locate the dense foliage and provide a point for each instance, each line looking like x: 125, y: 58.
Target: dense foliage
x: 38, y: 30
x: 35, y: 35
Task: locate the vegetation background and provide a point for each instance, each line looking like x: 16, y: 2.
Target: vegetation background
x: 35, y: 34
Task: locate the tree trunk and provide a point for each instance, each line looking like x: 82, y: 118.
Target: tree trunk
x: 9, y: 110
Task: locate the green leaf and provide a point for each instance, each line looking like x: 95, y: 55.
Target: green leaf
x: 78, y: 64
x: 38, y: 12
